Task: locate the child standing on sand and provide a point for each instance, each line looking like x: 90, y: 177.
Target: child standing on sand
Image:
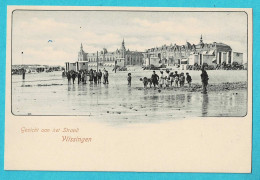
x: 171, y: 78
x: 68, y: 77
x: 182, y: 79
x: 161, y: 81
x: 176, y: 79
x: 188, y: 79
x: 167, y: 79
x: 106, y: 77
x: 129, y: 79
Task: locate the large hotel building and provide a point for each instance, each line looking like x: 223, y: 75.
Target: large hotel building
x: 189, y: 54
x: 120, y: 57
x: 212, y: 54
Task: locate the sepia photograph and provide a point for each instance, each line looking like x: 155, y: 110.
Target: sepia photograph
x: 133, y: 89
x: 117, y: 65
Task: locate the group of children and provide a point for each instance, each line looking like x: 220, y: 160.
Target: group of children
x: 94, y: 76
x: 167, y: 80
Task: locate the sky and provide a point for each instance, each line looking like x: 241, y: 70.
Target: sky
x: 33, y: 30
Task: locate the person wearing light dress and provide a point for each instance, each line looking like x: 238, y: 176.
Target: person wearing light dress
x: 161, y: 80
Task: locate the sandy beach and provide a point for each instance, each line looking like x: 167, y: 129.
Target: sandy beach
x: 50, y: 94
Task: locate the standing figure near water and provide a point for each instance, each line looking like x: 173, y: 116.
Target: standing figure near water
x: 73, y: 76
x: 129, y: 79
x: 188, y: 79
x: 204, y: 79
x: 82, y: 76
x: 176, y: 79
x: 182, y: 79
x: 104, y: 72
x: 106, y: 77
x: 99, y: 74
x: 167, y: 79
x: 91, y: 76
x: 24, y: 73
x: 171, y: 78
x: 162, y: 78
x: 79, y: 77
x: 155, y: 79
x: 85, y: 75
x: 95, y: 76
x: 68, y: 77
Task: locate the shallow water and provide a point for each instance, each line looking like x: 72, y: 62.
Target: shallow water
x: 50, y: 94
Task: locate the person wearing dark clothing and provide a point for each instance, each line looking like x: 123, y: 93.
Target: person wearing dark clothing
x: 95, y: 76
x: 204, y: 79
x: 23, y: 73
x: 73, y: 77
x: 182, y: 79
x: 91, y: 75
x: 68, y: 77
x: 176, y: 79
x: 82, y: 77
x: 106, y: 77
x: 79, y: 77
x: 129, y: 79
x: 99, y: 76
x: 188, y: 79
x: 171, y: 78
x: 155, y: 79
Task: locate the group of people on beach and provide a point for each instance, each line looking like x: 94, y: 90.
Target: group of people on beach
x: 168, y: 79
x: 94, y: 76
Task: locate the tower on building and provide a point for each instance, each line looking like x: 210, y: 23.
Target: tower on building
x: 82, y: 56
x: 201, y: 40
x: 123, y: 49
x: 81, y: 47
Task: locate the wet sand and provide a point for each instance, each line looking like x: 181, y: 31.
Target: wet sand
x: 50, y: 94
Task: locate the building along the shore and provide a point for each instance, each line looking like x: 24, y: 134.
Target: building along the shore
x: 120, y: 57
x: 191, y: 54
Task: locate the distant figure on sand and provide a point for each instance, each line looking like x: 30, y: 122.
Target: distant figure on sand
x: 155, y: 79
x: 99, y: 76
x: 176, y: 79
x: 182, y: 79
x: 95, y: 76
x: 162, y: 78
x: 73, y: 76
x: 79, y: 77
x: 68, y: 77
x: 106, y: 77
x: 91, y: 76
x: 172, y: 78
x: 85, y: 75
x: 188, y: 79
x: 129, y: 79
x: 104, y: 72
x: 146, y: 81
x: 24, y: 73
x: 167, y: 78
x: 204, y: 80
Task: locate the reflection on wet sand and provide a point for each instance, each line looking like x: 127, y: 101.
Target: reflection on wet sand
x: 197, y: 104
x: 117, y: 101
x: 205, y: 102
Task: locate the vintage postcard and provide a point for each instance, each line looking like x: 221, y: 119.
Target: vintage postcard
x: 128, y: 89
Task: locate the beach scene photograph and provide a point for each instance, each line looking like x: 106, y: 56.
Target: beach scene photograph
x: 129, y: 66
